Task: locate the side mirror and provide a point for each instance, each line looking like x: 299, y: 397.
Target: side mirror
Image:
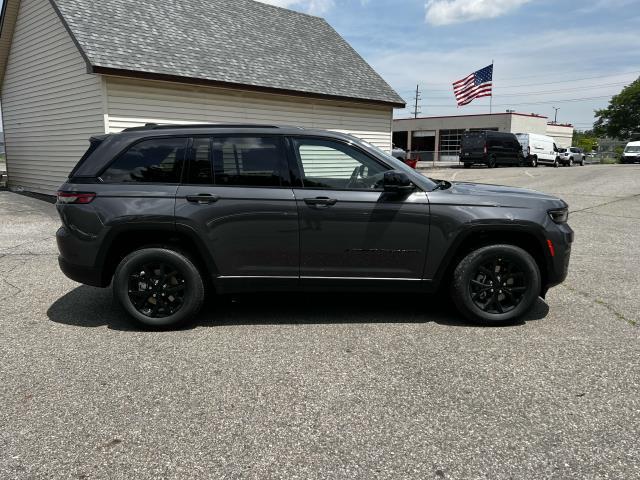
x: 397, y: 182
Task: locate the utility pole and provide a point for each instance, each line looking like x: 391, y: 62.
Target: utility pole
x: 555, y: 118
x: 417, y: 98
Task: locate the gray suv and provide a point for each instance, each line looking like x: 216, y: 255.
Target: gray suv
x: 168, y: 213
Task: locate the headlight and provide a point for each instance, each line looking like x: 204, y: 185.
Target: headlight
x: 559, y: 216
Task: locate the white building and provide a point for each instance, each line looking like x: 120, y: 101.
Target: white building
x: 438, y: 138
x: 70, y: 69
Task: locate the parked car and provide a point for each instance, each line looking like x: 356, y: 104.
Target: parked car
x: 166, y: 214
x: 572, y: 156
x: 399, y: 153
x: 490, y: 148
x: 538, y: 149
x: 403, y: 156
x: 631, y: 153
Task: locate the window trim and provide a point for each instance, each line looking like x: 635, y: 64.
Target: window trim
x: 297, y: 162
x: 133, y: 144
x: 286, y: 182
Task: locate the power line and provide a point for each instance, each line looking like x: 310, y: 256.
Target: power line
x: 568, y: 100
x: 550, y: 83
x: 545, y: 92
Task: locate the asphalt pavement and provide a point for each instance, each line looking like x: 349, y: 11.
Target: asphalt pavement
x: 317, y: 386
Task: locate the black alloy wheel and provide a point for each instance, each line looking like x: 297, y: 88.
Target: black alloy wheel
x: 492, y: 162
x: 157, y: 290
x: 159, y: 287
x: 498, y: 285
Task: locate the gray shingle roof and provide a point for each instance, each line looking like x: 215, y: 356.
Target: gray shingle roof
x: 240, y: 42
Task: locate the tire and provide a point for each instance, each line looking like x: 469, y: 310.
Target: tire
x: 184, y: 284
x: 492, y: 162
x: 468, y: 276
x: 582, y: 162
x: 534, y: 161
x: 556, y: 163
x: 467, y: 165
x: 570, y: 163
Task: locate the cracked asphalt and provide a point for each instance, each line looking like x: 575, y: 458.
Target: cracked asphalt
x: 317, y: 386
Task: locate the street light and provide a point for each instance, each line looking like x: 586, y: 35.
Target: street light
x: 555, y: 118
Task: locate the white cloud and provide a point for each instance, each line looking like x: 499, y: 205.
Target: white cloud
x: 445, y: 12
x: 314, y: 7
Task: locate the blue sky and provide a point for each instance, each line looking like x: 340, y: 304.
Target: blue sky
x: 544, y: 50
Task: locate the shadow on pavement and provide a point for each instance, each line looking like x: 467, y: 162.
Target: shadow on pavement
x: 95, y: 307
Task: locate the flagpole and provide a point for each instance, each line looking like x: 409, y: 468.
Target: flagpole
x: 491, y: 97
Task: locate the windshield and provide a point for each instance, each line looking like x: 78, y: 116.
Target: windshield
x: 632, y: 149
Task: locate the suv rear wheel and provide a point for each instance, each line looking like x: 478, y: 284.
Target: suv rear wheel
x: 496, y: 284
x: 159, y: 287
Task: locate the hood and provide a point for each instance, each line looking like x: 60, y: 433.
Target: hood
x: 501, y: 196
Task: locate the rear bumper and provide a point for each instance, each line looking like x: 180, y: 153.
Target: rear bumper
x: 78, y: 273
x: 72, y: 254
x: 483, y: 159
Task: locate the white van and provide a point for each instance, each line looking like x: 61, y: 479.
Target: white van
x: 631, y: 153
x: 538, y: 149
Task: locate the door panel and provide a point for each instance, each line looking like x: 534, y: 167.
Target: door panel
x: 248, y: 231
x: 362, y: 234
x: 232, y: 201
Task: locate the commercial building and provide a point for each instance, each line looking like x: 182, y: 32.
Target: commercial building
x: 70, y: 69
x: 438, y: 138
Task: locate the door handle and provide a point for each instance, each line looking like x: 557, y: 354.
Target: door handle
x: 322, y: 201
x: 203, y: 198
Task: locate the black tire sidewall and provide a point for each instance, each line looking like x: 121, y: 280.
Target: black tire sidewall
x: 461, y: 292
x: 194, y: 291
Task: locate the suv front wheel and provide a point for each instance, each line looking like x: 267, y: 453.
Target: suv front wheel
x: 496, y: 284
x: 159, y: 287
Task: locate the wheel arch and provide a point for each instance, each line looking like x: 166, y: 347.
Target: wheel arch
x: 121, y: 242
x: 531, y: 241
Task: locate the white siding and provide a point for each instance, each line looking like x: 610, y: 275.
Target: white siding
x: 50, y: 105
x: 136, y: 102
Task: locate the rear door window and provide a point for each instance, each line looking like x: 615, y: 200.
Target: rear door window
x: 237, y: 162
x: 249, y: 162
x: 157, y: 160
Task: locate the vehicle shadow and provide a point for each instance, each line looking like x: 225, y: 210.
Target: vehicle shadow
x: 94, y: 307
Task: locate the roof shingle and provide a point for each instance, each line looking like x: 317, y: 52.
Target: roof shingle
x: 241, y: 42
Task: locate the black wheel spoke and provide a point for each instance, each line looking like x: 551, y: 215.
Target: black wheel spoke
x: 498, y: 285
x: 156, y: 290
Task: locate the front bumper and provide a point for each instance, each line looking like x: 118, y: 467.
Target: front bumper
x: 558, y: 265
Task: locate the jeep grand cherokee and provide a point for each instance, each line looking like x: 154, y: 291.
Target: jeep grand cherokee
x: 167, y: 213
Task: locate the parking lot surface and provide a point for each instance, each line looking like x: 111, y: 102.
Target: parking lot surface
x: 317, y: 386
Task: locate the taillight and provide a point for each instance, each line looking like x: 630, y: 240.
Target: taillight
x: 75, y: 197
x: 528, y: 150
x: 485, y: 148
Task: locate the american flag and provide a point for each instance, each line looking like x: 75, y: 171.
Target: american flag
x: 473, y: 86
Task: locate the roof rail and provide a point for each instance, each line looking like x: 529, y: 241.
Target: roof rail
x: 157, y: 126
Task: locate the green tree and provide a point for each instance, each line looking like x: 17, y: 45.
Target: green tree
x: 622, y: 117
x: 585, y: 140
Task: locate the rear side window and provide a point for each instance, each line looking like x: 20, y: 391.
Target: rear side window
x: 238, y: 161
x: 157, y: 160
